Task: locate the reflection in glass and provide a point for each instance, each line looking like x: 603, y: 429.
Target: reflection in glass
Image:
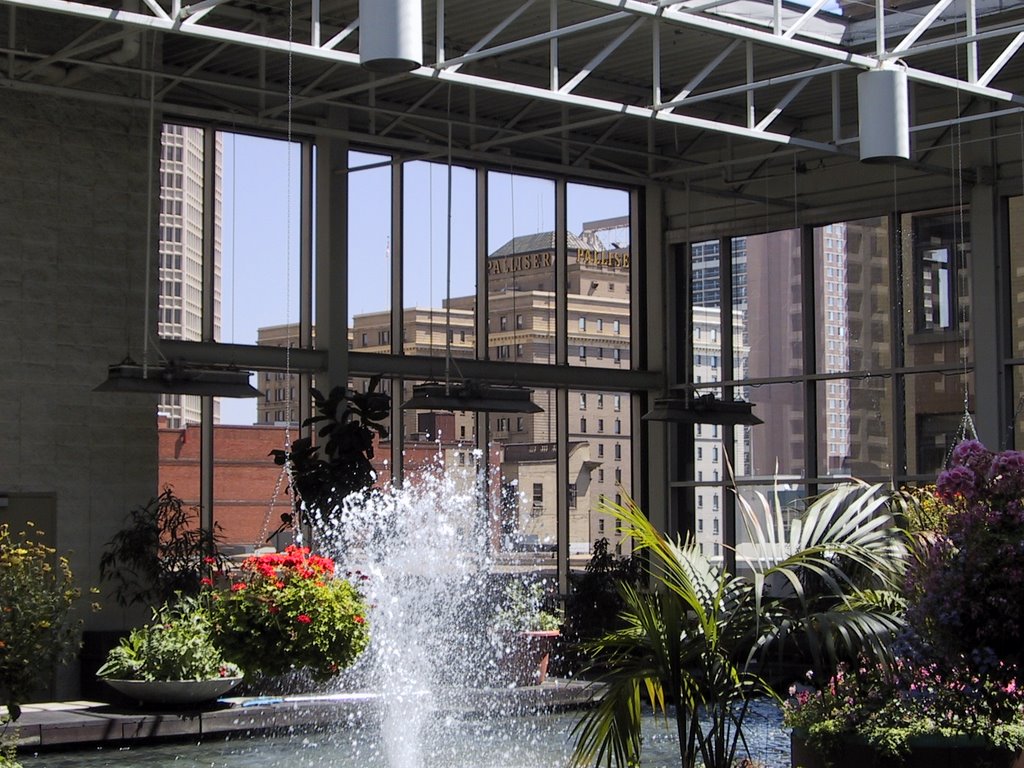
x: 855, y: 427
x: 598, y: 280
x: 777, y: 446
x: 934, y: 419
x: 520, y: 269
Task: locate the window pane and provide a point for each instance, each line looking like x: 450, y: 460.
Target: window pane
x: 426, y: 267
x: 598, y: 251
x: 766, y: 274
x: 521, y: 268
x: 934, y: 419
x: 523, y: 459
x: 936, y: 286
x: 855, y: 427
x: 705, y: 294
x: 777, y: 446
x: 851, y: 266
x: 369, y: 244
x: 600, y: 456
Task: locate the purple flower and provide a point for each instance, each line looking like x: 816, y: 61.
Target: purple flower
x: 973, y: 455
x: 1006, y: 474
x: 958, y: 482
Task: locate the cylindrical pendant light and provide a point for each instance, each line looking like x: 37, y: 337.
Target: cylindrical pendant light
x: 390, y: 35
x: 883, y: 114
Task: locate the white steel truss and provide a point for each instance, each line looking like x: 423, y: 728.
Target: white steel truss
x: 805, y: 45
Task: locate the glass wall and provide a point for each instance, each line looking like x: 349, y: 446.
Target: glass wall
x: 862, y: 374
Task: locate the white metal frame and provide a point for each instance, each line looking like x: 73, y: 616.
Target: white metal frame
x: 812, y: 55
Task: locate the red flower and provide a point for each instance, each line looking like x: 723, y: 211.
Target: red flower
x: 206, y: 581
x: 209, y: 560
x: 303, y: 619
x: 273, y: 608
x: 238, y: 586
x: 358, y: 619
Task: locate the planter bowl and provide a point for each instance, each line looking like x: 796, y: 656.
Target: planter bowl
x: 174, y: 691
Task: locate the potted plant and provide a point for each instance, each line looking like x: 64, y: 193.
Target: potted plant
x: 525, y: 633
x: 172, y: 660
x: 698, y: 640
x: 289, y: 611
x: 955, y: 688
x: 160, y: 552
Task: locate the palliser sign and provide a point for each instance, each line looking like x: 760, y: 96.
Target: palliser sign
x: 544, y: 260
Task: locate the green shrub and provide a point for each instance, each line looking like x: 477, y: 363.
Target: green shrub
x: 37, y: 632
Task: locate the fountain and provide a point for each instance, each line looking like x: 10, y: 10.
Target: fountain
x: 424, y: 693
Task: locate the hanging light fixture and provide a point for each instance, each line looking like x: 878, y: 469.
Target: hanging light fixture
x: 178, y: 379
x: 690, y: 408
x: 472, y: 396
x: 883, y: 114
x: 390, y: 35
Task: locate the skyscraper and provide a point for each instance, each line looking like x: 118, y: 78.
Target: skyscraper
x: 179, y: 310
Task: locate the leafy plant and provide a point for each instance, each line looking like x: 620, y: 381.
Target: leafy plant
x: 36, y: 629
x: 522, y: 609
x: 889, y: 706
x: 177, y: 645
x: 966, y: 590
x: 289, y: 611
x: 960, y: 657
x: 696, y: 643
x: 161, y: 551
x: 594, y: 602
x: 323, y: 474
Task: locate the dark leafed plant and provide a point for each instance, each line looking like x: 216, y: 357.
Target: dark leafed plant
x: 323, y: 474
x: 161, y: 551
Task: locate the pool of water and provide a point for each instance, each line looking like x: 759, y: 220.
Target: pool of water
x: 533, y: 741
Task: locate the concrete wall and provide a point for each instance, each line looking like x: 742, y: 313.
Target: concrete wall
x: 73, y: 184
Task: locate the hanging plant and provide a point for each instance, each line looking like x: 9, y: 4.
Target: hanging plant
x: 323, y: 474
x: 289, y: 611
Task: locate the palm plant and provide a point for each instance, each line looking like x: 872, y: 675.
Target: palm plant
x: 697, y: 642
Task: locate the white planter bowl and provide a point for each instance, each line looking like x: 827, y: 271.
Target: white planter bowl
x: 174, y: 691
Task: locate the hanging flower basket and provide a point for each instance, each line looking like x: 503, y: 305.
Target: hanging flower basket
x: 289, y: 611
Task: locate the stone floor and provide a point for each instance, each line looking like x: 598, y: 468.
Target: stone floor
x: 71, y: 724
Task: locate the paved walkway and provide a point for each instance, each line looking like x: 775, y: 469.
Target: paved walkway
x: 79, y: 723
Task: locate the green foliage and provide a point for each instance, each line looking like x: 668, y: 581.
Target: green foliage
x: 8, y: 746
x: 594, y: 603
x: 695, y: 644
x: 36, y: 630
x: 177, y: 645
x: 890, y: 706
x: 161, y: 552
x: 522, y: 609
x: 324, y: 474
x: 290, y: 612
